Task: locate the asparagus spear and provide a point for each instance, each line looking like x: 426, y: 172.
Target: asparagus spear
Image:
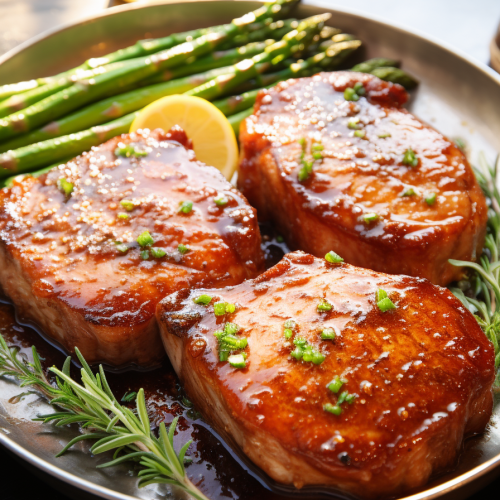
x: 396, y: 75
x: 47, y: 152
x: 377, y: 62
x: 388, y: 70
x: 22, y: 101
x: 235, y: 120
x: 274, y: 54
x: 110, y: 108
x: 76, y: 96
x: 261, y: 17
x: 237, y: 103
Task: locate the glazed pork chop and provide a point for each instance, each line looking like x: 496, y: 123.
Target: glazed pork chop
x: 333, y: 375
x: 356, y: 173
x: 89, y: 249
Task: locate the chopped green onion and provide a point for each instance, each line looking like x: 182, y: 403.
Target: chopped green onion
x: 237, y: 361
x: 350, y: 398
x: 336, y: 384
x: 342, y: 397
x: 221, y: 201
x: 234, y: 342
x: 370, y: 217
x: 297, y: 353
x: 145, y: 254
x: 223, y: 355
x: 409, y: 192
x: 230, y: 308
x: 360, y: 133
x: 317, y: 146
x: 302, y: 142
x: 183, y: 249
x: 300, y: 341
x: 410, y: 158
x: 121, y: 247
x: 123, y: 215
x: 290, y: 323
x: 324, y: 306
x: 158, y: 253
x: 336, y: 410
x: 145, y: 239
x: 65, y: 186
x: 384, y: 303
x: 328, y: 334
x: 317, y: 156
x: 185, y: 206
x: 350, y: 94
x: 127, y: 205
x: 353, y: 124
x: 333, y: 258
x: 220, y: 308
x: 430, y: 199
x: 384, y: 135
x: 288, y: 333
x: 128, y: 151
x: 359, y: 88
x: 203, y: 299
x: 317, y: 358
x: 231, y: 328
x: 305, y: 171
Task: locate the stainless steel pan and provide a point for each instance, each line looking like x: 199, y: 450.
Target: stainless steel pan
x: 457, y: 95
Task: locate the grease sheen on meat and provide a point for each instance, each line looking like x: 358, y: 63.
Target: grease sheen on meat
x: 361, y: 175
x: 62, y: 266
x: 421, y: 374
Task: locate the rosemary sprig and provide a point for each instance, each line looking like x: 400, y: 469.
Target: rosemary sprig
x: 93, y: 406
x: 481, y: 292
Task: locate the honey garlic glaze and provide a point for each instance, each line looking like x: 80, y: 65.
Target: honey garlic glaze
x: 385, y: 191
x: 418, y: 376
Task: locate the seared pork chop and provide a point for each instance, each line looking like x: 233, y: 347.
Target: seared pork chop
x: 356, y: 173
x: 88, y: 249
x: 334, y: 375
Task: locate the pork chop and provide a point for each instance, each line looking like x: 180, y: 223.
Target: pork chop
x: 353, y: 172
x: 88, y: 249
x: 333, y: 375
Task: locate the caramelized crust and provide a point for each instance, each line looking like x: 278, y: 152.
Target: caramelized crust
x: 361, y: 175
x: 63, y: 269
x: 421, y: 375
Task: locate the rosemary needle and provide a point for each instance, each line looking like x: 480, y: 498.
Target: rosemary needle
x: 93, y: 406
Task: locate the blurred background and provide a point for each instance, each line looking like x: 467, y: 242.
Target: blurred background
x: 467, y: 25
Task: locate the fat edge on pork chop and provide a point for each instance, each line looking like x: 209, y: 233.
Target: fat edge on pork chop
x: 357, y: 174
x: 88, y: 249
x: 324, y: 385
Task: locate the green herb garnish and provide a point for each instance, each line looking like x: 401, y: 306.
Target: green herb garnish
x: 384, y: 303
x: 350, y: 94
x: 121, y: 247
x: 123, y: 216
x: 410, y: 158
x: 328, y: 334
x: 127, y: 205
x: 183, y: 249
x: 129, y: 150
x: 221, y: 201
x: 203, y: 299
x: 185, y: 207
x: 370, y: 217
x: 336, y: 410
x: 336, y: 384
x: 353, y: 124
x: 384, y: 135
x: 333, y: 258
x: 144, y: 254
x: 409, y: 192
x: 237, y: 361
x: 360, y: 133
x: 158, y: 253
x: 65, y: 186
x: 145, y: 239
x: 324, y: 306
x: 430, y: 199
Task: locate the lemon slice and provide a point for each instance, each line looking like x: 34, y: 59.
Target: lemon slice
x: 213, y: 137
